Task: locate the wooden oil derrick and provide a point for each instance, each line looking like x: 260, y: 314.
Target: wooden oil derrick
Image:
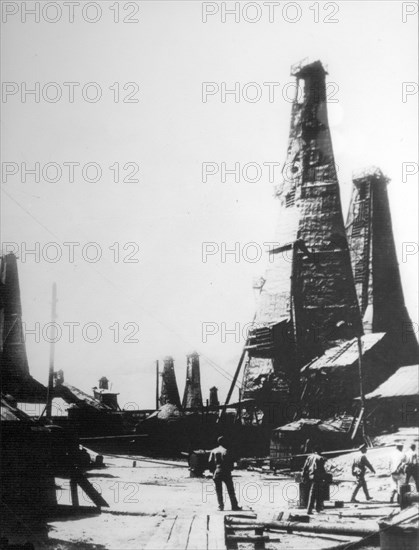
x: 14, y: 368
x: 192, y: 397
x: 308, y: 300
x: 169, y: 392
x: 12, y: 340
x: 376, y: 270
x: 213, y: 398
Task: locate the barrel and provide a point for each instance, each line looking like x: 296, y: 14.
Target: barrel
x: 404, y: 490
x: 198, y: 462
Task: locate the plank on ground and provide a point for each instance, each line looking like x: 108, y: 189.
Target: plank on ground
x: 198, y: 537
x: 161, y: 534
x: 216, y: 535
x: 179, y: 535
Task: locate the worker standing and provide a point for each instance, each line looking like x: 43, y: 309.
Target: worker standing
x: 221, y: 457
x: 397, y: 466
x: 314, y: 473
x: 412, y: 465
x: 359, y: 467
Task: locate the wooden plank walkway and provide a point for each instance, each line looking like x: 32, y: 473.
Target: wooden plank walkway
x: 205, y: 532
x: 196, y: 532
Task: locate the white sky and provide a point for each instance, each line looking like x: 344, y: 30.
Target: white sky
x: 170, y: 212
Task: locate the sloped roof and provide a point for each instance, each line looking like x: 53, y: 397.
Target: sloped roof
x: 404, y: 382
x: 344, y: 354
x: 166, y: 412
x: 298, y: 425
x: 71, y: 394
x: 330, y: 425
x: 336, y: 424
x: 9, y: 412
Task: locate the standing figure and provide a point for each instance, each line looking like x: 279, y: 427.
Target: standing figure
x: 315, y: 473
x: 359, y: 467
x: 412, y: 465
x: 397, y: 464
x: 221, y: 457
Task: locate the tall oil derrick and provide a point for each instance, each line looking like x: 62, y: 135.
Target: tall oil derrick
x: 14, y: 368
x: 213, y: 397
x: 169, y: 392
x: 376, y: 270
x: 308, y: 301
x: 192, y: 398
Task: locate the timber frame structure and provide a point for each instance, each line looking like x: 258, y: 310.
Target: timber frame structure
x: 308, y: 302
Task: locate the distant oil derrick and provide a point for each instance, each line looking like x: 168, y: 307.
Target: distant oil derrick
x: 375, y: 267
x: 169, y: 392
x: 308, y: 300
x: 192, y: 398
x: 14, y: 368
x: 103, y: 383
x: 213, y: 397
x: 12, y: 341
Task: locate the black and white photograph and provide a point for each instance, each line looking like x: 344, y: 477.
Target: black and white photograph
x: 209, y: 246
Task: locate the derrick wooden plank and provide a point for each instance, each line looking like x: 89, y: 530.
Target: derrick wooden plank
x: 216, y: 536
x: 179, y: 535
x: 90, y: 491
x: 198, y: 537
x: 161, y: 534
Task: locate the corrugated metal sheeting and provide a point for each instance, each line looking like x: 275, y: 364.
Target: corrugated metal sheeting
x: 345, y: 354
x: 403, y: 383
x: 11, y: 413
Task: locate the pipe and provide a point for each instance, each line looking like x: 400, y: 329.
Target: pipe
x: 328, y: 528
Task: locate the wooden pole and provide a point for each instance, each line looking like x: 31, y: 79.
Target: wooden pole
x: 236, y: 375
x: 361, y: 385
x: 48, y: 408
x: 233, y: 383
x: 157, y: 384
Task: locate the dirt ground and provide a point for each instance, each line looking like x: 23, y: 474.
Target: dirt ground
x: 141, y: 495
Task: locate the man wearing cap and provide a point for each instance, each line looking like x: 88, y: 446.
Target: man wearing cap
x: 221, y: 457
x: 359, y: 467
x: 397, y: 466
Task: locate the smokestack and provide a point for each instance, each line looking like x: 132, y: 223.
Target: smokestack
x: 192, y: 398
x: 213, y: 399
x: 169, y: 392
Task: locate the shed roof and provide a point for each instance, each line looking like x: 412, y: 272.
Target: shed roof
x: 337, y: 424
x: 345, y: 353
x: 404, y: 382
x: 9, y: 412
x: 71, y: 394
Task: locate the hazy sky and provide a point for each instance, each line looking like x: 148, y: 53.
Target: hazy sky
x: 169, y: 132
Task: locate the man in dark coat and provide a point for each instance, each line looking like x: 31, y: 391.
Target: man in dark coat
x: 221, y: 458
x: 359, y: 467
x: 315, y: 473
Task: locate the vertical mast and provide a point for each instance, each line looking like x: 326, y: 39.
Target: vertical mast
x: 157, y: 384
x: 48, y: 409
